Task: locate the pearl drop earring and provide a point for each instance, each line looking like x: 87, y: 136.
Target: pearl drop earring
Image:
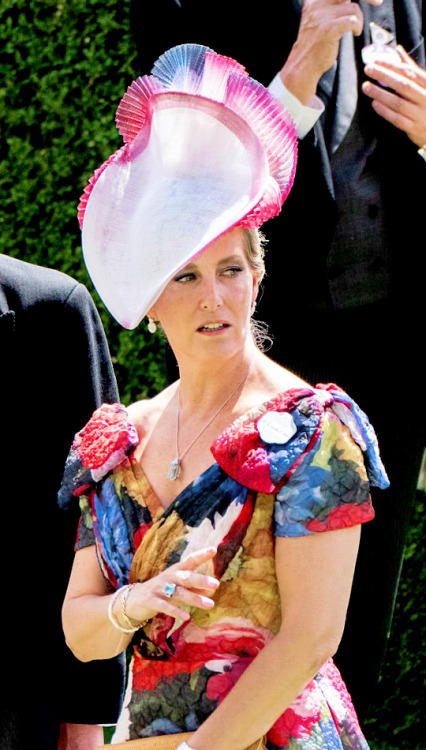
x: 152, y: 326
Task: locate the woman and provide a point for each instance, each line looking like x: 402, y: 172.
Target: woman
x: 231, y: 631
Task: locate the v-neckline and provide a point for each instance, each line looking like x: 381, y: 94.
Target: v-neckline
x: 152, y: 500
x: 150, y: 497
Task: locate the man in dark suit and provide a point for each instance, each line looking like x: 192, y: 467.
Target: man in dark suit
x: 55, y: 370
x: 343, y: 295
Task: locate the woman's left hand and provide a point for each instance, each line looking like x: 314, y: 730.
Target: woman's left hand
x: 403, y: 101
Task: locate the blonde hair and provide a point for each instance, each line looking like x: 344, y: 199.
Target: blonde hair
x: 254, y: 247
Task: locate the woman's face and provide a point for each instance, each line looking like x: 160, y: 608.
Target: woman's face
x: 205, y: 309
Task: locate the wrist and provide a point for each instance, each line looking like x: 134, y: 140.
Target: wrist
x: 302, y: 83
x: 113, y: 613
x: 117, y: 613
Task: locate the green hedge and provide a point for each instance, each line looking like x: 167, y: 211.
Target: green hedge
x: 65, y: 66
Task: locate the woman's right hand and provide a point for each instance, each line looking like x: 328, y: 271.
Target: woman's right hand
x: 193, y: 589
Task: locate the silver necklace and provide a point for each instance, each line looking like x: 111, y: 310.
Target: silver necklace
x: 175, y: 467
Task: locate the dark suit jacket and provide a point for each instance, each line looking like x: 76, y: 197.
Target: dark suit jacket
x: 55, y: 370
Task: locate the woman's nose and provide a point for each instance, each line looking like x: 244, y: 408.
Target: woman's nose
x: 211, y: 297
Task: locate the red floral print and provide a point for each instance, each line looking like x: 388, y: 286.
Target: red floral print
x: 107, y: 432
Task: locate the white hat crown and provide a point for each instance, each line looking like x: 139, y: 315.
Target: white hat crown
x: 206, y: 148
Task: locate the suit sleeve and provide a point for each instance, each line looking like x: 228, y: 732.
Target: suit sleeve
x: 95, y: 367
x: 91, y: 693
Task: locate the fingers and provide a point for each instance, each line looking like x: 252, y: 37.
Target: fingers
x: 398, y: 76
x: 405, y: 58
x: 322, y: 24
x: 402, y: 88
x: 167, y: 605
x: 401, y: 99
x: 184, y: 574
x: 192, y: 589
x: 150, y: 598
x: 389, y: 108
x: 190, y: 584
x: 191, y: 598
x: 189, y: 588
x: 408, y: 79
x: 196, y: 581
x: 195, y: 559
x: 332, y: 19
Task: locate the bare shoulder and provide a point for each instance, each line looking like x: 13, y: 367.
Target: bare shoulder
x: 279, y: 379
x: 144, y: 414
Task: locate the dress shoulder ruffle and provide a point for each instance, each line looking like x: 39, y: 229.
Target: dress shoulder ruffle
x: 103, y: 443
x: 262, y: 449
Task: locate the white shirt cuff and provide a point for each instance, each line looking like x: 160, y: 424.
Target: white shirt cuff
x: 304, y: 116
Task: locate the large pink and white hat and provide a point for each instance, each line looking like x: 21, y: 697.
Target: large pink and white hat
x: 206, y: 148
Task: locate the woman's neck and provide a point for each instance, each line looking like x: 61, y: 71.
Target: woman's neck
x: 204, y: 386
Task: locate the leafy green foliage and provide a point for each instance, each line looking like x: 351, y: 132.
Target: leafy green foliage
x: 398, y: 720
x: 65, y: 66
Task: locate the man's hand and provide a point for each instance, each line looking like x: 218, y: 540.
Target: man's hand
x: 322, y: 24
x: 405, y: 104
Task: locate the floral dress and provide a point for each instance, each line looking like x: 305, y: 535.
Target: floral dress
x: 292, y: 467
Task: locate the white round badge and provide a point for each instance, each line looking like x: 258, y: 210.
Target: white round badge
x: 276, y: 427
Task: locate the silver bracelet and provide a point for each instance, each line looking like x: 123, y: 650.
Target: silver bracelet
x: 185, y: 746
x: 111, y: 616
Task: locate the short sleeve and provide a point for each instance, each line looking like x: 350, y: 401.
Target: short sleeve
x: 330, y: 487
x: 97, y: 449
x: 104, y: 442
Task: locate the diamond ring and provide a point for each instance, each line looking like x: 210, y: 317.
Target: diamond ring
x: 169, y: 589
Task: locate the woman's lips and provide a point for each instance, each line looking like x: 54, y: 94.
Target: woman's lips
x: 212, y: 328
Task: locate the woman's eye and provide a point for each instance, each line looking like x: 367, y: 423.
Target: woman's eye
x: 232, y: 271
x: 185, y: 277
